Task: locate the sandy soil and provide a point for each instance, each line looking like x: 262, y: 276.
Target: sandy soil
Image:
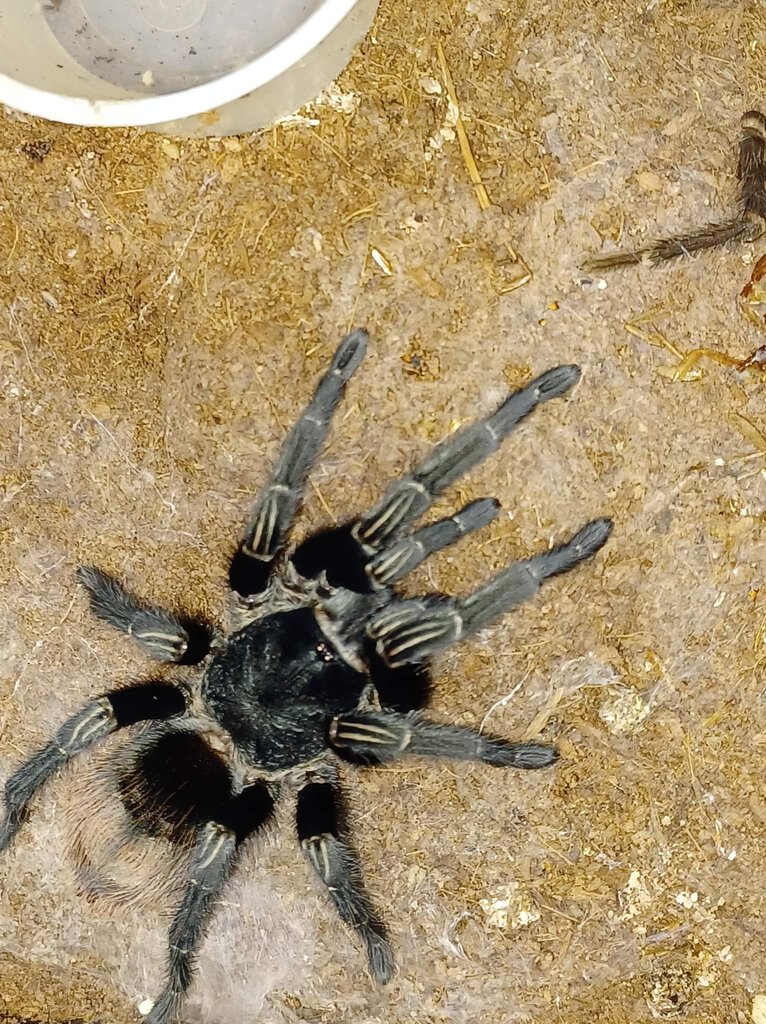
x: 164, y: 309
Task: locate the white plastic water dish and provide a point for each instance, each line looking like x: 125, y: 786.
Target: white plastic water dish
x: 186, y: 67
x: 155, y: 46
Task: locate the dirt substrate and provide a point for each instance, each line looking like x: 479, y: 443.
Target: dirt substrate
x: 164, y: 310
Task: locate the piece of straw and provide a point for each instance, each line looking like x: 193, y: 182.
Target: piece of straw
x: 465, y: 145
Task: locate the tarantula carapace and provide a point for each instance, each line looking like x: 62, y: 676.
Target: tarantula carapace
x: 323, y: 663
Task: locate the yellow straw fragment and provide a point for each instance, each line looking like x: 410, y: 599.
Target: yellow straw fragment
x: 750, y: 432
x: 465, y: 145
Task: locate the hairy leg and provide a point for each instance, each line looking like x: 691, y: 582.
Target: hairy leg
x: 751, y: 167
x: 213, y: 861
x: 405, y: 555
x: 711, y: 236
x: 347, y: 563
x: 377, y: 737
x: 320, y: 832
x: 92, y: 723
x: 278, y: 503
x: 747, y: 226
x: 161, y: 634
x: 407, y: 499
x: 379, y: 549
x: 413, y: 631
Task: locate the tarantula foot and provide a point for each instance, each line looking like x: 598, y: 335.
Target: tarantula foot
x: 528, y: 756
x: 8, y: 830
x: 380, y: 959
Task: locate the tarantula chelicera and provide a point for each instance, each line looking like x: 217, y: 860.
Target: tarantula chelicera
x: 324, y: 661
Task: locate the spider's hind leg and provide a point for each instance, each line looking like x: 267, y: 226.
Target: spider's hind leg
x: 320, y: 831
x: 99, y: 718
x: 139, y: 808
x: 213, y: 860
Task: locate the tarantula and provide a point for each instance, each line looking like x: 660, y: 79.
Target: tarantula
x: 324, y: 662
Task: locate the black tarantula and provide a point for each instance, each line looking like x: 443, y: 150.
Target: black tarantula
x: 324, y: 661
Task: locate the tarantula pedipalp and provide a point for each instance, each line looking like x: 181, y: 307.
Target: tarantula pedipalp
x: 324, y: 661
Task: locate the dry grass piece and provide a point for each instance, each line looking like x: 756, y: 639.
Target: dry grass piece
x: 686, y: 369
x: 750, y: 432
x: 753, y: 295
x: 465, y: 145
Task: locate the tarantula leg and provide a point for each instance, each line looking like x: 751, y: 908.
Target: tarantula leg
x: 405, y: 555
x: 337, y: 864
x: 710, y: 236
x: 408, y: 498
x: 92, y: 723
x: 276, y: 506
x: 379, y: 737
x: 337, y: 553
x: 751, y: 167
x: 413, y: 631
x: 160, y: 634
x: 748, y: 225
x: 213, y: 860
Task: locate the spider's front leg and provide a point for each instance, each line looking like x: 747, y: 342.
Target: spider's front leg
x: 213, y: 861
x: 413, y: 631
x: 347, y: 563
x: 321, y: 834
x: 160, y: 634
x: 405, y: 635
x: 408, y: 498
x: 278, y: 503
x: 378, y: 549
x: 92, y: 723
